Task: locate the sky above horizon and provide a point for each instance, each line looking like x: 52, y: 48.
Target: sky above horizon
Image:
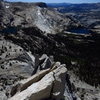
x: 58, y: 1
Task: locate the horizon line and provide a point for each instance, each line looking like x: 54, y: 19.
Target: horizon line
x: 55, y: 2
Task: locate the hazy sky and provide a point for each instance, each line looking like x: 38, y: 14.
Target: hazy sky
x: 59, y: 1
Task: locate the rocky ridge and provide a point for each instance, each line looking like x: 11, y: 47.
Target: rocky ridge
x: 26, y: 63
x: 17, y: 68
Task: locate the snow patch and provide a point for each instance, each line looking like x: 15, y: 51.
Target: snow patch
x: 7, y: 7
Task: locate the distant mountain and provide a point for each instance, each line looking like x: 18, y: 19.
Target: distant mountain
x: 58, y: 4
x: 92, y: 5
x: 34, y: 14
x: 88, y: 13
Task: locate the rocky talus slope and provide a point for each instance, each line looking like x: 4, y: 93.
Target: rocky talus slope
x: 39, y: 63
